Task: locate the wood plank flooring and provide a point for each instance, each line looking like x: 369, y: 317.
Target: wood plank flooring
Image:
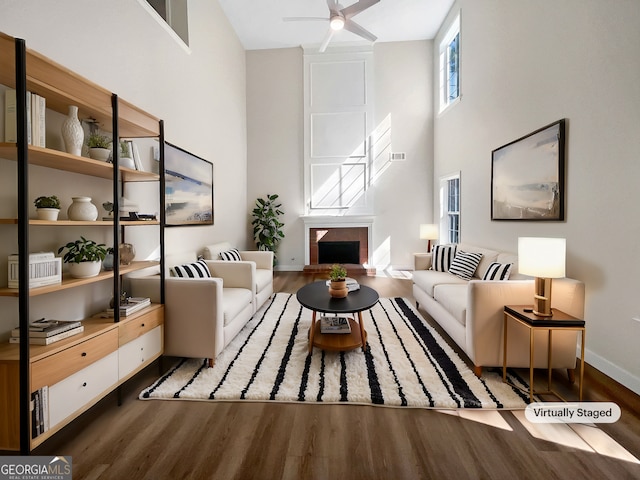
x: 201, y: 440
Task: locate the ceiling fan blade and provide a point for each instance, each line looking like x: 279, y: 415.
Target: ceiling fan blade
x: 303, y: 19
x: 325, y: 42
x: 358, y: 7
x: 333, y: 5
x: 353, y: 27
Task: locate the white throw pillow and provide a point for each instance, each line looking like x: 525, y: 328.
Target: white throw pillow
x: 498, y: 271
x: 232, y: 255
x: 442, y: 256
x: 464, y: 264
x: 197, y: 269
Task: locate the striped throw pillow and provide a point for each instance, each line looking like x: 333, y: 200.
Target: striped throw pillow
x: 464, y: 264
x: 232, y: 255
x: 442, y: 256
x: 498, y: 271
x: 198, y: 269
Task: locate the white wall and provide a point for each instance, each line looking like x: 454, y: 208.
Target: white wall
x: 523, y: 66
x: 198, y: 91
x: 403, y: 87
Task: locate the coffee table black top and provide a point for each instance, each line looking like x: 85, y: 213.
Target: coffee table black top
x: 315, y: 296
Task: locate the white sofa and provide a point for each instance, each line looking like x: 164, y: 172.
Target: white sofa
x: 471, y: 311
x: 263, y: 272
x: 202, y: 315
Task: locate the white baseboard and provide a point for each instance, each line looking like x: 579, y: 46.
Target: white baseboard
x: 288, y: 268
x: 612, y: 370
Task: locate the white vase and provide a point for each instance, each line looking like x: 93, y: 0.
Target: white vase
x: 82, y: 209
x: 100, y: 153
x: 85, y: 269
x: 72, y: 132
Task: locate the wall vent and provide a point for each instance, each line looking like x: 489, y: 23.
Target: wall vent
x: 397, y: 156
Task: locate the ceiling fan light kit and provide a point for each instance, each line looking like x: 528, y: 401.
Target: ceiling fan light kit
x: 340, y: 18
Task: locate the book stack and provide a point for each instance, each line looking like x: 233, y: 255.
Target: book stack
x: 44, y: 269
x: 336, y: 324
x: 132, y: 305
x: 39, y: 411
x: 36, y: 125
x: 46, y: 332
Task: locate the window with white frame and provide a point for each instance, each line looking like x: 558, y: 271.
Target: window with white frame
x: 175, y: 14
x: 450, y: 208
x: 450, y: 65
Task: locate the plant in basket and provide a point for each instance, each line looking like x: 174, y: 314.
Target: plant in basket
x: 338, y: 284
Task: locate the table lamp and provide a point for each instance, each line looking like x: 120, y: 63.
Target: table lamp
x: 428, y: 232
x: 544, y: 259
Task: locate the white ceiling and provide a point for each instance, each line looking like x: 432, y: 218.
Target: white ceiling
x: 259, y: 24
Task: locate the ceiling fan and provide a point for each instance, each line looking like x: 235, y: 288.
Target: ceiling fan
x: 340, y: 18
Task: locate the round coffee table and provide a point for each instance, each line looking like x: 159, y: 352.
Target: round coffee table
x: 315, y: 296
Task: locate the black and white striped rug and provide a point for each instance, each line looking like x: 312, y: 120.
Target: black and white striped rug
x: 407, y: 364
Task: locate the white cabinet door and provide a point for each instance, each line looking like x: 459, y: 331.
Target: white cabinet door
x: 77, y: 390
x: 138, y: 352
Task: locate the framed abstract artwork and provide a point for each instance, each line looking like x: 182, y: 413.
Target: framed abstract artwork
x: 527, y: 176
x: 188, y: 188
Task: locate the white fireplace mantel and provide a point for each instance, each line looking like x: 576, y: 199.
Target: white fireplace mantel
x: 329, y: 221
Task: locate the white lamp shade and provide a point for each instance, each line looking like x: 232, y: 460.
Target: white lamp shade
x: 542, y: 257
x: 428, y: 231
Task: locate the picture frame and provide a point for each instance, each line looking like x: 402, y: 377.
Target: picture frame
x: 188, y: 188
x: 528, y: 175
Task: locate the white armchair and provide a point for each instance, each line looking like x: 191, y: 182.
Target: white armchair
x: 263, y: 261
x: 202, y: 315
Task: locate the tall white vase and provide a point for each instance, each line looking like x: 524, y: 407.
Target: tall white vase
x: 72, y: 132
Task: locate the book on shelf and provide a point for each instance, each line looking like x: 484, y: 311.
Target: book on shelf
x: 10, y: 116
x: 52, y: 339
x: 36, y: 118
x: 133, y: 305
x: 39, y: 411
x: 47, y: 328
x: 335, y: 324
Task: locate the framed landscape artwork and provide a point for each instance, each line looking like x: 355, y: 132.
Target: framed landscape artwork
x: 527, y: 176
x: 188, y: 188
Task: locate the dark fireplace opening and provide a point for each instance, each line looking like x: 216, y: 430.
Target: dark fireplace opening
x: 339, y: 252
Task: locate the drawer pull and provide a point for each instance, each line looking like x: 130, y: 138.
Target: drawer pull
x: 142, y: 325
x: 83, y: 354
x: 84, y: 384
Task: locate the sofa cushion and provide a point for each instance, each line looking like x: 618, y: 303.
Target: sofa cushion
x: 197, y: 269
x: 212, y: 252
x: 464, y: 264
x: 428, y: 279
x: 234, y: 301
x: 498, y: 271
x: 442, y: 256
x: 231, y: 255
x: 454, y: 299
x: 488, y: 257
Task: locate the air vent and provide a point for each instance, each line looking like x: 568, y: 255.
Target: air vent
x: 397, y: 157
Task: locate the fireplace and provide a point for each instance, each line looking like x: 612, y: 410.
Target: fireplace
x: 339, y: 252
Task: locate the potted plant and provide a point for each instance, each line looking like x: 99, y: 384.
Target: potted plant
x: 267, y: 229
x: 47, y: 208
x: 84, y: 257
x: 338, y: 281
x: 99, y: 146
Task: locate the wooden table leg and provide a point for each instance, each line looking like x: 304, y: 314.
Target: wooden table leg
x: 531, y: 336
x: 312, y: 330
x: 362, y: 332
x: 504, y: 352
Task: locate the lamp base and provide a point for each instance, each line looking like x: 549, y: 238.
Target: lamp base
x: 542, y: 297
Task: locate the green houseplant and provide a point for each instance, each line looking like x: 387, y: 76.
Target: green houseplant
x: 84, y: 257
x: 338, y: 284
x: 47, y: 208
x: 267, y: 229
x: 99, y: 146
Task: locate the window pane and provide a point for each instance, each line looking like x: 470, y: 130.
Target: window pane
x: 453, y: 72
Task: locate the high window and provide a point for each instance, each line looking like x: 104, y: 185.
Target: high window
x: 175, y: 14
x: 450, y: 209
x: 450, y: 65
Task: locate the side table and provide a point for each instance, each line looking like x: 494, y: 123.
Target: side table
x: 558, y: 321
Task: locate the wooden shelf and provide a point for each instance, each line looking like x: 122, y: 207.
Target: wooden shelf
x: 46, y: 157
x: 69, y: 282
x: 62, y: 87
x: 76, y: 223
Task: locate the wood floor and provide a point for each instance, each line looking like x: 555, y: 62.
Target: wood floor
x: 201, y: 440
